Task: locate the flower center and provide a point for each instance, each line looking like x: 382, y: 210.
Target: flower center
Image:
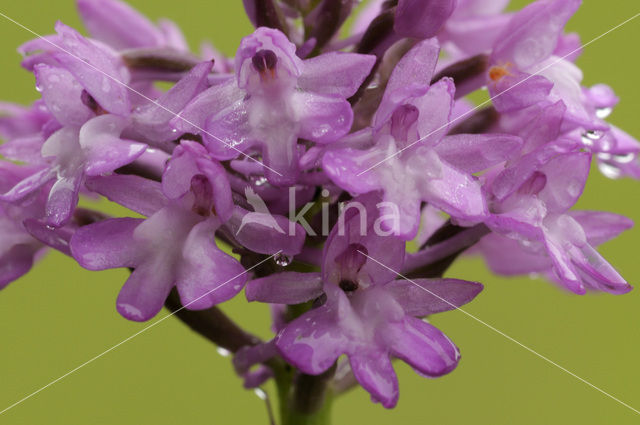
x: 348, y: 285
x: 203, y: 196
x: 534, y: 184
x: 91, y: 103
x: 349, y: 263
x: 265, y: 61
x: 497, y: 73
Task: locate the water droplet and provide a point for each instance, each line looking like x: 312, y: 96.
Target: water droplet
x: 282, y: 260
x: 50, y: 227
x: 223, y: 352
x: 260, y: 393
x: 259, y: 181
x: 626, y: 158
x: 39, y: 88
x: 609, y: 170
x: 591, y: 136
x: 174, y: 130
x: 603, y: 113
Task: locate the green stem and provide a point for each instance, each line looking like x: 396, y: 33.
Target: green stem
x: 304, y: 399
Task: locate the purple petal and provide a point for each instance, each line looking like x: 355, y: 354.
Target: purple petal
x: 152, y: 121
x: 28, y: 185
x: 265, y: 233
x: 285, y: 288
x: 348, y: 169
x: 141, y: 195
x: 281, y: 156
x: 422, y: 18
x: 118, y: 24
x: 566, y: 177
x: 207, y: 276
x: 100, y: 71
x: 374, y: 372
x: 474, y: 34
x: 62, y: 95
x: 598, y: 274
x: 453, y: 191
x: 314, y: 341
x: 423, y: 346
x: 435, y: 111
x: 107, y: 244
x: 229, y: 133
x: 208, y: 103
x: 105, y: 151
x: 600, y: 226
x: 63, y: 199
x: 335, y: 73
x: 55, y: 238
x: 144, y: 293
x: 533, y: 33
x: 24, y: 149
x: 222, y: 196
x: 477, y: 152
x: 15, y: 263
x: 410, y: 78
x: 544, y: 127
x: 505, y: 256
x: 517, y: 91
x: 423, y: 297
x: 322, y: 119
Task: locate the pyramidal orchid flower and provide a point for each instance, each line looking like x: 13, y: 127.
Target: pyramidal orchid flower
x: 524, y: 68
x: 275, y: 99
x: 90, y: 109
x: 535, y: 213
x: 409, y: 161
x: 174, y: 246
x: 361, y: 310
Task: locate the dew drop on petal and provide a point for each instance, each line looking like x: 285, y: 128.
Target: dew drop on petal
x: 282, y: 259
x: 259, y: 181
x: 591, y: 136
x: 609, y: 170
x: 603, y: 113
x: 626, y: 158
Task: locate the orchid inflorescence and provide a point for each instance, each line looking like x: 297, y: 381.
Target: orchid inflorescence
x: 334, y: 178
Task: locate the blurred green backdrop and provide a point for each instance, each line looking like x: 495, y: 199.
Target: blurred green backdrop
x: 60, y: 315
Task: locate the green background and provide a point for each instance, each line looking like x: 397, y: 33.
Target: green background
x: 60, y: 315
